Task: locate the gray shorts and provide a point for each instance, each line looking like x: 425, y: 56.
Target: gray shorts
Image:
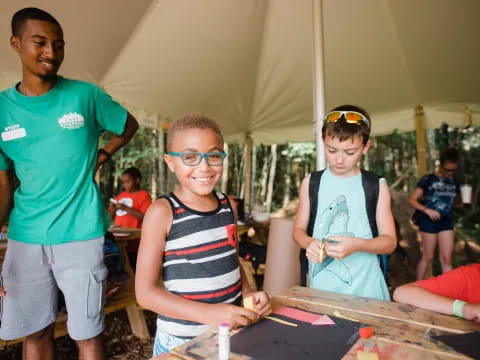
x: 32, y: 275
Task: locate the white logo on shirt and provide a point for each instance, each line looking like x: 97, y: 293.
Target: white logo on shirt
x: 13, y: 132
x: 71, y: 121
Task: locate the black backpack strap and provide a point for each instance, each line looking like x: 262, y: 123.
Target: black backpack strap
x: 371, y: 187
x: 313, y: 187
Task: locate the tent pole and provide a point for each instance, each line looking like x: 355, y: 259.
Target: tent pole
x: 318, y: 79
x: 248, y: 173
x: 421, y: 141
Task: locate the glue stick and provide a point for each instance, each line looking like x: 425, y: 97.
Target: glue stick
x: 223, y: 342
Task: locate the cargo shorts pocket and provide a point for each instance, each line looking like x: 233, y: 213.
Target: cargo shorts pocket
x: 96, y: 291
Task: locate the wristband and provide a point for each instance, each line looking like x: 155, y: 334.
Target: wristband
x: 458, y: 307
x: 106, y: 153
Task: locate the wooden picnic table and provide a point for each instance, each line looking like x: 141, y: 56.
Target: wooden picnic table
x: 401, y: 331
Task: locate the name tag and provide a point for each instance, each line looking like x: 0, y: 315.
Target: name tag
x: 14, y: 134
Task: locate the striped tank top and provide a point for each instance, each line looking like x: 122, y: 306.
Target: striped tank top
x: 200, y: 261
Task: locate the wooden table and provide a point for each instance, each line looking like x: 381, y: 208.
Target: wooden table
x: 401, y: 331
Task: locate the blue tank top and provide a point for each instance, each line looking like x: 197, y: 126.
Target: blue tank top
x: 341, y: 211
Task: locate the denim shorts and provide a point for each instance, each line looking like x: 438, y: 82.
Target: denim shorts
x: 32, y: 275
x: 427, y: 225
x: 164, y: 343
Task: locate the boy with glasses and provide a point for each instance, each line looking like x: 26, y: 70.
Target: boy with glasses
x: 189, y: 238
x: 343, y: 244
x: 436, y: 222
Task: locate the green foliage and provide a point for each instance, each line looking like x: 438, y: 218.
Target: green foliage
x: 142, y: 152
x: 235, y: 168
x: 300, y: 153
x: 394, y: 157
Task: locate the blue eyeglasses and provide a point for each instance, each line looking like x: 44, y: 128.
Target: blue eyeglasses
x: 193, y: 158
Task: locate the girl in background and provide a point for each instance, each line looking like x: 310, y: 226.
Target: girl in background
x: 129, y: 207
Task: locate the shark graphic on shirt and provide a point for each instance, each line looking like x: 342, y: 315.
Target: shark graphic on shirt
x: 337, y: 217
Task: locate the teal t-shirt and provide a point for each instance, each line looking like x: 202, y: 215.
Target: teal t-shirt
x: 341, y: 211
x: 52, y: 142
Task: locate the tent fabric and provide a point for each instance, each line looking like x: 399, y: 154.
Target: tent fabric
x: 248, y: 64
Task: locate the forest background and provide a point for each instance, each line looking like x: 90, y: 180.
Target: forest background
x: 278, y: 169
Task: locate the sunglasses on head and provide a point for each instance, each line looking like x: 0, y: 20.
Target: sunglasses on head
x: 351, y: 117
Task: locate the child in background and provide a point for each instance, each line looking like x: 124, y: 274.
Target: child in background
x: 129, y: 208
x: 439, y: 191
x: 342, y: 232
x: 189, y: 242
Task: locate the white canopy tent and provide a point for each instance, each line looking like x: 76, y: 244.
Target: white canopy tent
x: 248, y: 63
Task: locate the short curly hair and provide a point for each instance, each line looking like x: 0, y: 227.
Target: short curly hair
x: 192, y: 121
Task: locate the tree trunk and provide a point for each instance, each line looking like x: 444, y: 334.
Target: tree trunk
x: 154, y: 164
x: 287, y: 181
x: 225, y: 171
x: 161, y: 180
x: 264, y: 178
x: 271, y: 178
x: 241, y: 183
x: 254, y: 176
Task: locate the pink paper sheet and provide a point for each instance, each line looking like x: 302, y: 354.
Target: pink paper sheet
x: 324, y: 320
x: 298, y: 314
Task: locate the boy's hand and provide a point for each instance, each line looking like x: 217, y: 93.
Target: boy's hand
x: 471, y: 312
x: 262, y: 303
x: 235, y: 316
x: 342, y: 246
x: 2, y: 291
x: 313, y: 251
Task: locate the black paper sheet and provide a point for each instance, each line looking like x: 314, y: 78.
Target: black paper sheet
x: 268, y: 339
x: 468, y: 343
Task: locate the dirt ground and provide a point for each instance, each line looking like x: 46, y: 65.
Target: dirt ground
x: 121, y: 344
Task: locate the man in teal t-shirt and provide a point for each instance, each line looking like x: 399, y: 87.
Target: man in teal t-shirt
x: 50, y: 127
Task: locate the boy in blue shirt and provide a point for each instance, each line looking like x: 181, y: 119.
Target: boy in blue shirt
x: 50, y: 128
x: 342, y: 252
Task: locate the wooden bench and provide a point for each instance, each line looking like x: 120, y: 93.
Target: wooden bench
x: 125, y: 299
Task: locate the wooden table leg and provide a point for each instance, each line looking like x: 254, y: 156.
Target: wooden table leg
x: 137, y: 322
x: 135, y: 314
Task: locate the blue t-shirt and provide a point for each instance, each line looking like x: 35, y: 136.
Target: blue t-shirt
x: 341, y: 211
x: 438, y: 192
x: 52, y: 141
